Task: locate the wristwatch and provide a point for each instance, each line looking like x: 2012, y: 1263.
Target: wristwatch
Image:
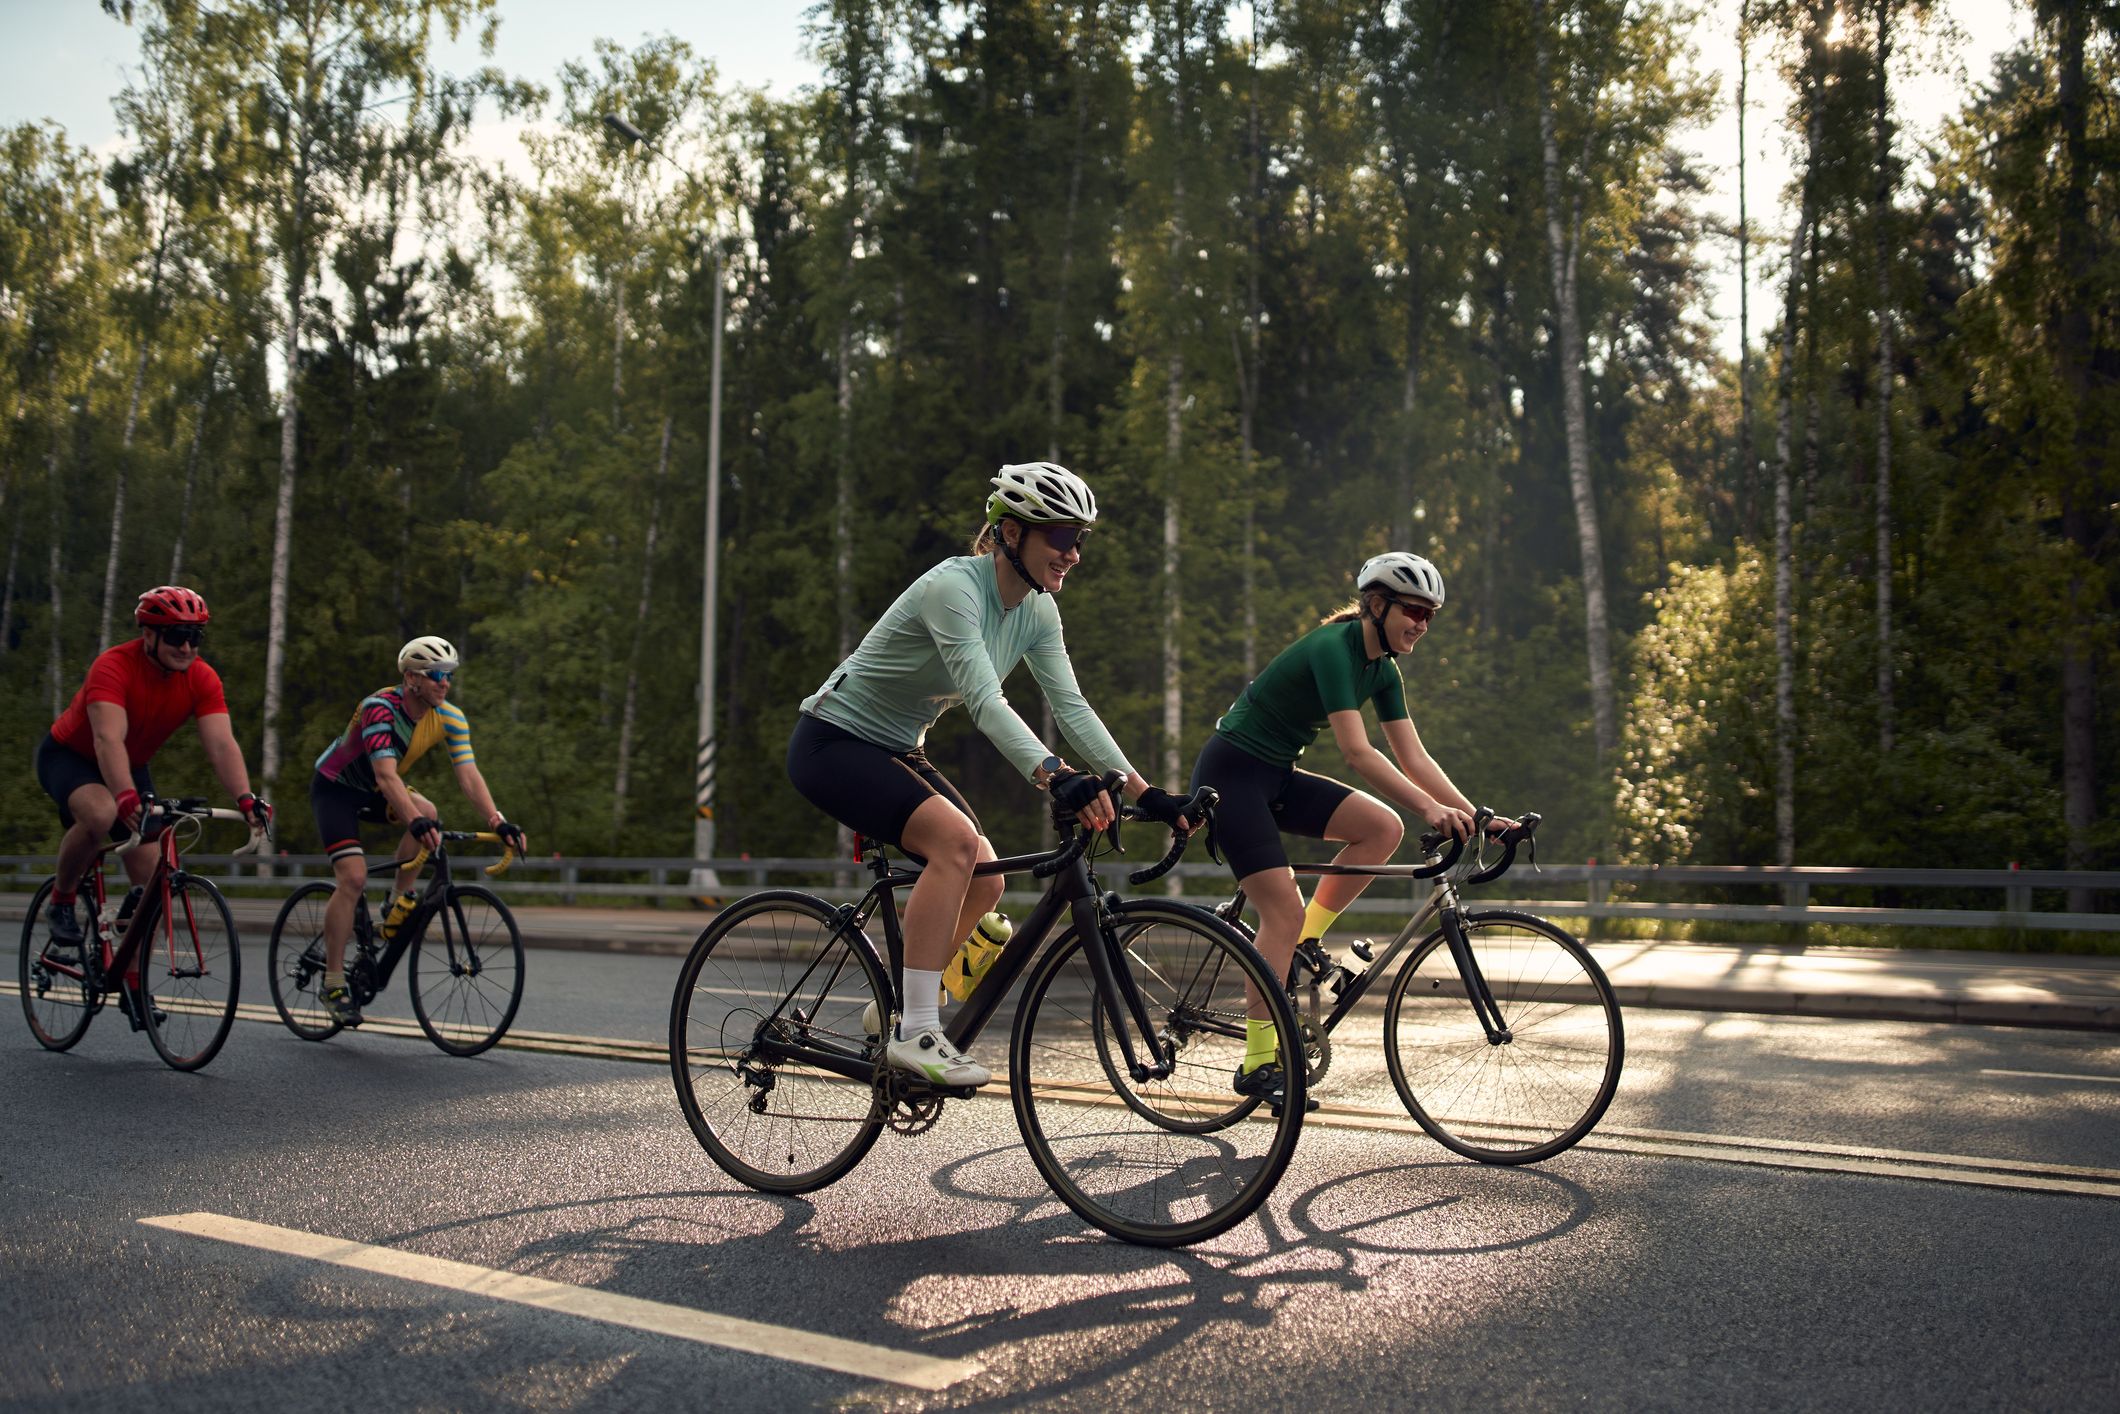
x: 1052, y: 766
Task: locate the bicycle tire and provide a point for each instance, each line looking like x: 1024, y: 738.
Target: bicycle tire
x: 294, y: 963
x: 1128, y: 1172
x: 191, y: 975
x: 57, y: 1001
x: 775, y: 1126
x: 468, y: 982
x: 1542, y: 1091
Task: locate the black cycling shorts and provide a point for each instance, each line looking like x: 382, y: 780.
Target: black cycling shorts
x: 61, y: 770
x: 1259, y: 801
x: 339, y: 811
x: 868, y: 788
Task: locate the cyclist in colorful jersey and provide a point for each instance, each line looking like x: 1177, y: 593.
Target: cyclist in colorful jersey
x: 950, y: 639
x: 360, y: 777
x: 93, y: 761
x: 1325, y: 678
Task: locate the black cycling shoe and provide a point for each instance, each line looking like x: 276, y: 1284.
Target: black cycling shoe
x: 1266, y: 1083
x: 340, y: 1006
x: 65, y: 931
x: 139, y: 1023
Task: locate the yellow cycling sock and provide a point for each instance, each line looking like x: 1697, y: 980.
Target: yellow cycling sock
x: 1317, y: 918
x: 334, y: 979
x: 1261, y: 1044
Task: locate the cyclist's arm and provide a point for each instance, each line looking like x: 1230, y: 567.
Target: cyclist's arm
x: 951, y: 615
x: 108, y: 721
x: 473, y: 785
x: 1430, y: 796
x: 223, y: 754
x: 392, y: 785
x: 1079, y: 722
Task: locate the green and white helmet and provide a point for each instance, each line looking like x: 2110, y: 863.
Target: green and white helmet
x: 1041, y: 493
x: 427, y: 653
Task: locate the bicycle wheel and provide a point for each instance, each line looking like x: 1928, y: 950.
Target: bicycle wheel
x: 55, y: 992
x: 191, y: 971
x: 773, y: 976
x: 1110, y: 1151
x: 1191, y: 1101
x: 467, y: 971
x: 1544, y: 1086
x: 294, y: 963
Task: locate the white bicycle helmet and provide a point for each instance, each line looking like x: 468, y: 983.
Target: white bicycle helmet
x: 1041, y: 493
x: 426, y: 653
x: 1401, y: 573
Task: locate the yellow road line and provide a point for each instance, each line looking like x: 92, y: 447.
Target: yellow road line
x: 2057, y: 1075
x: 846, y: 1357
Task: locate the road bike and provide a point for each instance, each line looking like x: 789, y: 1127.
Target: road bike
x: 777, y: 1026
x: 465, y: 984
x: 1501, y: 1033
x: 168, y: 954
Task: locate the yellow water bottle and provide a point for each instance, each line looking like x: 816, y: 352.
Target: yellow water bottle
x: 977, y: 955
x: 400, y: 909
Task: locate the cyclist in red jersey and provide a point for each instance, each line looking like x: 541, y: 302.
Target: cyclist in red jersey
x: 93, y: 761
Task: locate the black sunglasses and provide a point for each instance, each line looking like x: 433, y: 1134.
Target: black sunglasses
x: 1064, y: 538
x: 183, y: 636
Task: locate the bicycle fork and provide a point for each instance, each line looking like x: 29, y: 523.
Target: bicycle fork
x: 1476, y: 990
x: 1121, y: 996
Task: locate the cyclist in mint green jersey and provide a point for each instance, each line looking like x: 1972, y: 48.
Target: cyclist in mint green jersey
x: 950, y: 639
x: 1325, y: 679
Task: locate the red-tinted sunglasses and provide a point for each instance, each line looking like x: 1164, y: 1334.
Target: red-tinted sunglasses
x: 1419, y: 613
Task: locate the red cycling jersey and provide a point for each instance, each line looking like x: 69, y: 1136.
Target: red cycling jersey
x: 156, y: 701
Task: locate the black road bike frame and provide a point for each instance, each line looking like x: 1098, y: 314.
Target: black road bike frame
x: 1443, y: 905
x: 1072, y: 893
x: 381, y: 966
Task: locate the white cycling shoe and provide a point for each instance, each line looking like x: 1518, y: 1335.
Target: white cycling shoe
x: 930, y: 1055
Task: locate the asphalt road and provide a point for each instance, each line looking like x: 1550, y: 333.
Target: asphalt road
x: 1778, y: 1212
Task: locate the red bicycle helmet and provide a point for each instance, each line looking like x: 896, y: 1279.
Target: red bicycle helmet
x: 171, y: 604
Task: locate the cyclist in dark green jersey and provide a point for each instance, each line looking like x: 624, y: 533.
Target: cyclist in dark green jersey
x: 1324, y: 678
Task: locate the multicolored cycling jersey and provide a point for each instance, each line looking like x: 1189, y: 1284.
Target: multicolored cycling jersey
x: 381, y: 727
x: 1326, y: 670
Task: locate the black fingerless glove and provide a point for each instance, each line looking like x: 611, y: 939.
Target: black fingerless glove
x: 1072, y: 789
x: 511, y: 834
x: 1160, y: 806
x: 425, y: 826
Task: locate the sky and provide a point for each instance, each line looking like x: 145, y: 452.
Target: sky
x: 63, y: 61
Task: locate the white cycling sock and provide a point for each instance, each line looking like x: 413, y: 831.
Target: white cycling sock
x: 921, y: 1009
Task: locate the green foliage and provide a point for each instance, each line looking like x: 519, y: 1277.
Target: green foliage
x: 1139, y: 237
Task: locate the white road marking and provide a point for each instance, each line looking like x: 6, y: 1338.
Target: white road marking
x: 2056, y: 1075
x: 847, y: 1357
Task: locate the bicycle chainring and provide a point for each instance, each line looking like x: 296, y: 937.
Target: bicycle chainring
x: 1317, y: 1046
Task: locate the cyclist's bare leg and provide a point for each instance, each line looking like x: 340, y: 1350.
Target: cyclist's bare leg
x: 409, y: 848
x: 1370, y: 831
x: 350, y: 876
x: 95, y: 812
x: 980, y: 895
x: 1274, y: 894
x: 945, y: 837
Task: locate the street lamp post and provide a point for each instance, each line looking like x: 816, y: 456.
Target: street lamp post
x: 704, y: 879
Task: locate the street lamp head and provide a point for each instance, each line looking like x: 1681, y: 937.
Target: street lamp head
x: 625, y: 130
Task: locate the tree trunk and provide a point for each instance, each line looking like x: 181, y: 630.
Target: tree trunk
x: 57, y: 669
x: 283, y: 520
x: 7, y: 596
x: 1248, y: 376
x: 191, y: 468
x: 1884, y: 382
x: 623, y: 779
x: 132, y: 421
x: 2086, y: 484
x: 1174, y: 429
x: 1747, y: 470
x: 1563, y: 251
x: 618, y: 354
x: 1784, y: 589
x: 1055, y: 380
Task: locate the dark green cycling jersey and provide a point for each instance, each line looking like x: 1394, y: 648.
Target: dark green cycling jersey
x: 1326, y: 670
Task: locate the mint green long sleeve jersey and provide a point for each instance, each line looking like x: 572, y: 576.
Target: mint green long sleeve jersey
x: 948, y: 640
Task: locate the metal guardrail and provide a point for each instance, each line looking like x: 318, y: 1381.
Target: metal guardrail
x: 570, y: 880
